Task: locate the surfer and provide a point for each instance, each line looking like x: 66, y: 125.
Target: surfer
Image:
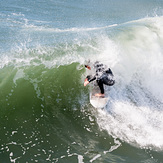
x: 103, y: 76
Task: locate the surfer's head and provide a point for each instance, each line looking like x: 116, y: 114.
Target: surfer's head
x: 97, y: 64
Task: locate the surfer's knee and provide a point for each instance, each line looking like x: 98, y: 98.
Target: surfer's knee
x: 108, y: 81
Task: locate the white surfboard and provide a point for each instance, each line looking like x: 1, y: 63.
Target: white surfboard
x: 97, y: 102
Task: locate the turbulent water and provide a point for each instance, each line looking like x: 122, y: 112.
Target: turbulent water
x: 45, y: 113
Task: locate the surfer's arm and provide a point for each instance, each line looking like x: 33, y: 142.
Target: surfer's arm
x: 88, y: 80
x: 91, y: 79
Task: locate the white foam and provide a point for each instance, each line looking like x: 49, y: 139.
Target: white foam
x: 143, y: 54
x: 80, y: 159
x: 20, y: 74
x: 95, y: 158
x: 140, y: 126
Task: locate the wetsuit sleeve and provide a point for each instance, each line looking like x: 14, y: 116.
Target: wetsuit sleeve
x: 90, y: 78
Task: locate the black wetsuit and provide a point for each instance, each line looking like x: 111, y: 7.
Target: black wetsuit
x: 102, y: 76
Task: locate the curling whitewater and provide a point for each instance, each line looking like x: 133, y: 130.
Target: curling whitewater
x: 45, y: 111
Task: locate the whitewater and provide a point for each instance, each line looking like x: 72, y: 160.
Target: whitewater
x: 45, y: 111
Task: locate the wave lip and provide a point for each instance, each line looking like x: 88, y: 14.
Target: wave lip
x: 57, y: 30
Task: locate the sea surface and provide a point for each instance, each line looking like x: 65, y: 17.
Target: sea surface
x: 45, y: 113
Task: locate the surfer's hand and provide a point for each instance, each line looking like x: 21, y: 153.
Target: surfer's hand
x: 86, y: 82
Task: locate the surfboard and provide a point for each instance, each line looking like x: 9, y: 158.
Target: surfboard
x: 97, y: 102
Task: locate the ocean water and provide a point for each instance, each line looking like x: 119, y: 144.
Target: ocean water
x: 45, y: 113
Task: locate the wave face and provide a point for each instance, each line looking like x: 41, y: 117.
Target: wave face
x: 45, y: 111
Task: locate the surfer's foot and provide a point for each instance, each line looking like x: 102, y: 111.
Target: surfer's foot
x: 99, y: 95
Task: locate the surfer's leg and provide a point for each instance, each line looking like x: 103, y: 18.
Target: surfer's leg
x: 101, y: 86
